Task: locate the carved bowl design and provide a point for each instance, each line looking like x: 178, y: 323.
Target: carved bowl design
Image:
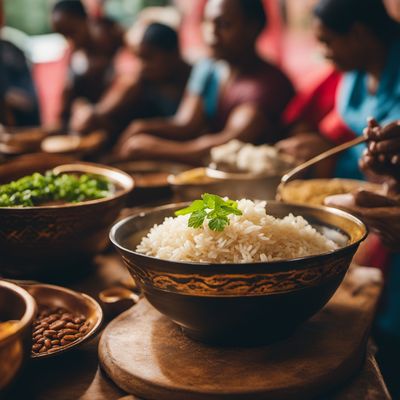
x: 240, y: 303
x: 36, y: 242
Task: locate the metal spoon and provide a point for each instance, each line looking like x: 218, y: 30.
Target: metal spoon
x: 326, y: 154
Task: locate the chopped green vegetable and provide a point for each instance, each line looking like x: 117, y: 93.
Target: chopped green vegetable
x: 37, y: 189
x: 212, y: 207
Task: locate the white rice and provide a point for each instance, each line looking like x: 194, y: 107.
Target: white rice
x: 251, y: 237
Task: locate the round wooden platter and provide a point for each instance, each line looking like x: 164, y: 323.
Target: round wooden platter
x: 145, y: 354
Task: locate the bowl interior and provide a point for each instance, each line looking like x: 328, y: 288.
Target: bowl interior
x: 314, y: 191
x: 128, y: 233
x: 122, y: 182
x: 52, y: 296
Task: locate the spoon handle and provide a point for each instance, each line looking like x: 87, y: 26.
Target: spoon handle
x: 335, y: 150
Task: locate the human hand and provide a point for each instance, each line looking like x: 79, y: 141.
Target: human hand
x: 304, y: 146
x: 83, y: 117
x: 135, y: 147
x: 18, y: 99
x: 382, y: 155
x: 381, y: 213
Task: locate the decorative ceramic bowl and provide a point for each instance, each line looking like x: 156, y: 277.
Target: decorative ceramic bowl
x: 240, y: 303
x: 38, y: 242
x: 17, y: 311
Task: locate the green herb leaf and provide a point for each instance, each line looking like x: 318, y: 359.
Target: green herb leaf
x: 197, y: 218
x: 212, y: 207
x: 218, y: 224
x: 195, y: 206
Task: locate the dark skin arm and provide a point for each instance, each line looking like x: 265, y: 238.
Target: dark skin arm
x: 87, y: 117
x: 246, y: 122
x: 381, y: 213
x: 189, y: 122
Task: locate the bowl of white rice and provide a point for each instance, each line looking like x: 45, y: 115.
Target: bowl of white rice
x: 270, y: 268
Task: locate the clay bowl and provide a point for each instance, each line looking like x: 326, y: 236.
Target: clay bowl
x: 51, y: 296
x: 40, y: 242
x: 240, y: 304
x: 15, y: 341
x: 22, y: 140
x: 151, y: 179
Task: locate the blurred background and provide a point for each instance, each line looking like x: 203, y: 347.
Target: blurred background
x: 286, y: 42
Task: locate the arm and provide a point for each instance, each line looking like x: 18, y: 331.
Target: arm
x: 188, y: 122
x: 381, y: 213
x: 118, y: 102
x: 247, y: 123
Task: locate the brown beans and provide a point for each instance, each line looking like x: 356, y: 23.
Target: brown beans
x: 56, y: 327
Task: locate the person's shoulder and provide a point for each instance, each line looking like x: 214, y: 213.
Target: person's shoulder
x: 272, y: 72
x: 12, y: 54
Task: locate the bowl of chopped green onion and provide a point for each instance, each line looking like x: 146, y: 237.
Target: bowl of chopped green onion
x: 57, y: 218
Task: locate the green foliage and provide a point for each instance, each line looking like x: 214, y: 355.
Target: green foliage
x: 212, y: 207
x: 37, y: 189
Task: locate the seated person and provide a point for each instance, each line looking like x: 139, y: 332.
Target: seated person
x: 155, y: 91
x: 234, y: 95
x: 18, y: 101
x: 94, y: 43
x: 362, y: 41
x: 382, y: 214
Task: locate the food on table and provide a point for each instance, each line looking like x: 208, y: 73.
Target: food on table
x: 216, y: 230
x: 55, y: 328
x: 150, y: 178
x: 191, y: 177
x: 38, y: 189
x: 236, y: 156
x: 7, y: 328
x: 314, y: 191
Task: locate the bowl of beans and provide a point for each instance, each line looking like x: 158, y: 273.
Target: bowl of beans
x: 65, y: 319
x: 57, y: 218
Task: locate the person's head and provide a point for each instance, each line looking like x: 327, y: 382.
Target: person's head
x: 393, y: 8
x: 69, y: 18
x: 349, y: 29
x: 231, y: 27
x: 157, y: 47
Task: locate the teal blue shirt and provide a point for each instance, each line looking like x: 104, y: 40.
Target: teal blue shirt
x: 356, y: 104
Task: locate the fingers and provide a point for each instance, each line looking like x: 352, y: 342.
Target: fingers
x: 340, y: 200
x: 385, y: 146
x: 367, y: 199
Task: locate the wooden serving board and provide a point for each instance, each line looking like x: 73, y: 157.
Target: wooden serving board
x: 145, y: 354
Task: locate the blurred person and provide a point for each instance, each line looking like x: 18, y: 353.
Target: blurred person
x: 18, y: 100
x: 94, y: 44
x: 362, y: 42
x: 155, y: 91
x: 235, y: 94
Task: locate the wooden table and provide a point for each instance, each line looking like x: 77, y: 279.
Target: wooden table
x: 76, y: 375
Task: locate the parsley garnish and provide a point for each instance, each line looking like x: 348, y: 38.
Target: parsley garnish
x: 212, y: 207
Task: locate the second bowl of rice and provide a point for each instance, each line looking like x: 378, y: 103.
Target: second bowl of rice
x: 269, y: 270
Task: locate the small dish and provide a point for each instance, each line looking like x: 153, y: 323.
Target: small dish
x: 64, y: 144
x: 51, y: 296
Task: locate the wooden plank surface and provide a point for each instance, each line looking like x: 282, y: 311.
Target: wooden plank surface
x: 76, y: 376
